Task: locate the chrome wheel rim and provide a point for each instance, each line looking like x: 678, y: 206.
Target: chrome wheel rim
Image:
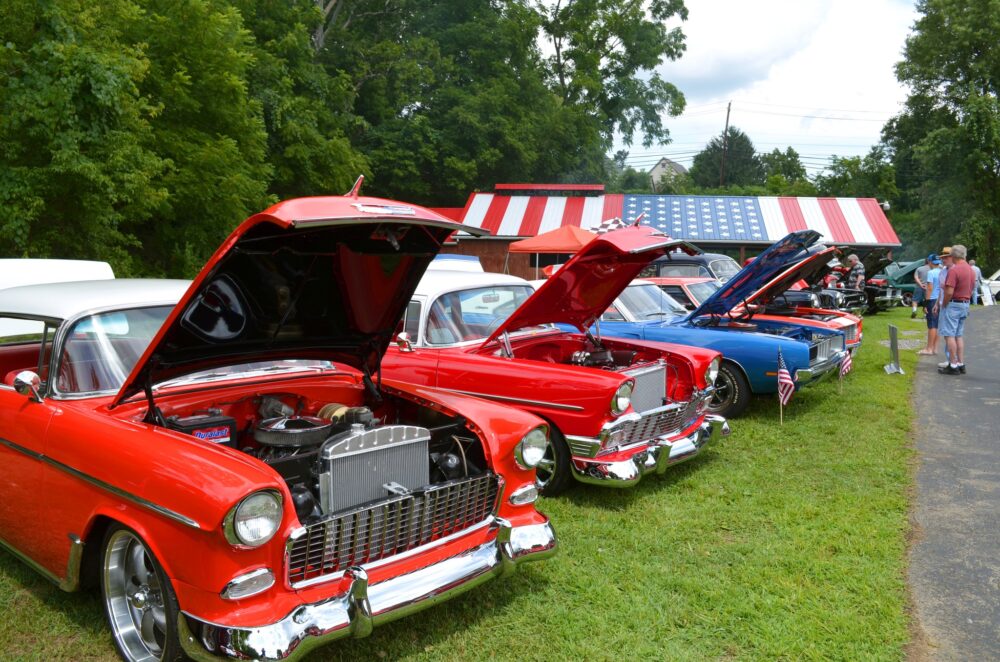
x: 546, y: 469
x: 725, y: 391
x: 134, y: 598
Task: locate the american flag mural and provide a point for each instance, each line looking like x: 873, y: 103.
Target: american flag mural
x: 786, y: 387
x: 695, y: 218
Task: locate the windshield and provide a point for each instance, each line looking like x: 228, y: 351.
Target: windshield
x: 101, y: 350
x: 472, y: 314
x: 670, y: 270
x: 701, y: 291
x: 647, y: 301
x: 725, y: 269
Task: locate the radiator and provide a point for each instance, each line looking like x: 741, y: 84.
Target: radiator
x: 650, y: 386
x: 356, y: 465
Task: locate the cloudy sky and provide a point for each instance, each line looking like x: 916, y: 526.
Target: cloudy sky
x: 816, y: 75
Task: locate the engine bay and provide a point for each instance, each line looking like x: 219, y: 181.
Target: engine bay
x: 338, y: 454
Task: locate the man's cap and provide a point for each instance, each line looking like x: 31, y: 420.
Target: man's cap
x: 946, y: 251
x: 932, y: 257
x: 935, y: 260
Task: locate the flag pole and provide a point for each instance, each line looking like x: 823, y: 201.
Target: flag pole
x: 781, y: 411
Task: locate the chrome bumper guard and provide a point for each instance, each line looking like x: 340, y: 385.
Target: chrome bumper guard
x: 657, y: 456
x: 361, y: 606
x: 820, y: 371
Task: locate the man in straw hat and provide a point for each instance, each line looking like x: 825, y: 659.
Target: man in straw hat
x: 954, y: 308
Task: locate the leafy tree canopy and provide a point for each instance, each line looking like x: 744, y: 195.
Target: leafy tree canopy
x: 742, y: 165
x: 786, y: 164
x: 946, y: 143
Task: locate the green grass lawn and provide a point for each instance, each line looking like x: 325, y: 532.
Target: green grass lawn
x: 780, y: 542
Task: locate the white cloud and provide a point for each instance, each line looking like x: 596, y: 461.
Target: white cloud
x: 785, y: 65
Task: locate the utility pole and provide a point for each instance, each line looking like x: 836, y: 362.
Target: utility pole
x: 725, y: 146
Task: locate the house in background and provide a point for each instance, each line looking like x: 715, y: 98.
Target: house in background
x: 665, y: 168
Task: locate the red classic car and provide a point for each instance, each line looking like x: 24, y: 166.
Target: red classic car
x: 225, y: 461
x: 617, y: 409
x: 769, y: 303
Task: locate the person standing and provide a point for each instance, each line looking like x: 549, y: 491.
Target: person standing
x: 931, y: 288
x: 920, y: 278
x: 954, y: 306
x: 856, y: 276
x: 977, y: 286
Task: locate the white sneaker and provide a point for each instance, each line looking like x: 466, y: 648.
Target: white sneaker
x: 943, y: 364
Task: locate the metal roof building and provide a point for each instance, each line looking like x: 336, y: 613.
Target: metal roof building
x: 525, y: 210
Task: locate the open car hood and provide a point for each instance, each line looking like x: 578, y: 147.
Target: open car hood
x: 813, y: 267
x: 322, y: 278
x: 755, y: 275
x: 582, y: 289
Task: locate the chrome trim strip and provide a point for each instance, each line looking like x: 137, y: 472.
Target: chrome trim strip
x: 503, y: 398
x: 139, y: 501
x: 72, y: 580
x: 489, y: 521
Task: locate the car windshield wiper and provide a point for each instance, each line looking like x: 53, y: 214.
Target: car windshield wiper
x: 658, y: 312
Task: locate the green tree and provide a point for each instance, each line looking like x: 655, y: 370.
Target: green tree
x: 742, y: 165
x: 451, y: 97
x: 787, y: 164
x: 306, y: 110
x: 605, y: 53
x: 76, y: 171
x: 206, y: 126
x: 855, y: 177
x: 946, y: 142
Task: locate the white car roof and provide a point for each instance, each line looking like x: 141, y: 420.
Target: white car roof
x: 67, y: 300
x: 436, y: 282
x: 15, y: 272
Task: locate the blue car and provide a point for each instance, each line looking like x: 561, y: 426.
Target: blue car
x: 750, y: 347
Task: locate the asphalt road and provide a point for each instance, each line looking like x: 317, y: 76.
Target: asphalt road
x: 954, y: 570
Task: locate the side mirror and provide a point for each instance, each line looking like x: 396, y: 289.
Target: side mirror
x: 28, y: 384
x: 403, y: 342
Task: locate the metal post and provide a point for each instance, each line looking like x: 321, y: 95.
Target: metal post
x: 893, y: 366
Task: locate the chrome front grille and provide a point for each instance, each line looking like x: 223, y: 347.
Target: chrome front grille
x: 389, y: 527
x: 650, y: 386
x: 630, y: 429
x: 824, y: 348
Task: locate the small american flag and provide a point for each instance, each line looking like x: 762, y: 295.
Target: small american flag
x: 845, y: 365
x: 785, y: 384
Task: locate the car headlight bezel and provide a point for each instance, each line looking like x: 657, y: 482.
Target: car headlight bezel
x: 712, y: 371
x: 265, y: 506
x: 529, y: 452
x: 621, y: 399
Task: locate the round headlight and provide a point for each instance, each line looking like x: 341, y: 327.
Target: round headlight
x: 254, y: 520
x: 531, y: 449
x: 621, y: 399
x: 712, y: 372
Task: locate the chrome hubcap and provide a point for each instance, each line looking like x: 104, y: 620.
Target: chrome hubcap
x: 723, y: 393
x: 546, y: 468
x: 134, y: 598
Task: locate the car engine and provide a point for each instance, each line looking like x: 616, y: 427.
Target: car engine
x: 334, y: 456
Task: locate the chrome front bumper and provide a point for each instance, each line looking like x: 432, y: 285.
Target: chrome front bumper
x: 820, y: 371
x: 360, y: 606
x: 655, y: 458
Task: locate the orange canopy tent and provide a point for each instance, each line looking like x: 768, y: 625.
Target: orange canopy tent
x: 564, y: 239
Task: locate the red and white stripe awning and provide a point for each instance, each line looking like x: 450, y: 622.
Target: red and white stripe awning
x: 709, y: 219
